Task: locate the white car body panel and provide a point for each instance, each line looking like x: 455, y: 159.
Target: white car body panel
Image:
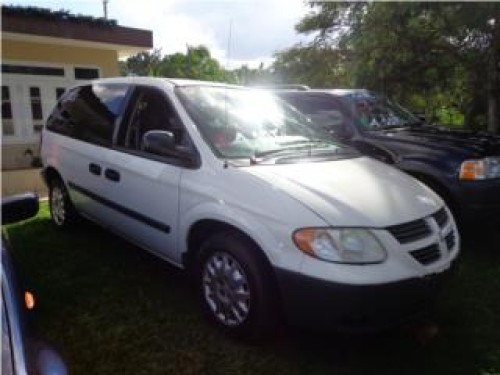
x: 354, y: 192
x: 146, y: 187
x: 233, y: 196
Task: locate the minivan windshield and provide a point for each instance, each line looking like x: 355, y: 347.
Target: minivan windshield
x: 244, y: 123
x: 375, y: 112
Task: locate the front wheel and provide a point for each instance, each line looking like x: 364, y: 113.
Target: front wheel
x: 236, y: 287
x: 62, y: 212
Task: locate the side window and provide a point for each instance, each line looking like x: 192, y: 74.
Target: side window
x: 325, y: 111
x: 36, y: 109
x: 60, y: 92
x: 315, y: 103
x: 89, y: 113
x: 7, y: 121
x: 151, y: 110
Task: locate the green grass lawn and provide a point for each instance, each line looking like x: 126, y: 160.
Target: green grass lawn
x: 111, y: 308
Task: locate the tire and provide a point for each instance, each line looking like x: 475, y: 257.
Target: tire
x: 236, y: 287
x: 62, y: 211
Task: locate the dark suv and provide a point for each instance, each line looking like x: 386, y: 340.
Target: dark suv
x: 462, y: 166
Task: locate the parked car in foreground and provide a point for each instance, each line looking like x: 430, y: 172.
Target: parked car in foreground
x: 463, y: 167
x: 22, y: 351
x: 239, y: 189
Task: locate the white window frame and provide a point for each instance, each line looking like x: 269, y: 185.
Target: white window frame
x: 19, y: 85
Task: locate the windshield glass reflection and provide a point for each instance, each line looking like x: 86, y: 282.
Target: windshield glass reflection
x: 241, y: 123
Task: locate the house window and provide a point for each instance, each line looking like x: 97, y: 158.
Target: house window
x: 32, y: 70
x: 36, y: 109
x: 7, y: 121
x: 59, y: 92
x: 86, y: 73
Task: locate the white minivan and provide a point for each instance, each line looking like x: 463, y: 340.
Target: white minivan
x: 268, y: 214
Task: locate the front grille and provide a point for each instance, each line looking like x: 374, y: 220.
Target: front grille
x: 426, y: 255
x: 450, y: 240
x: 441, y: 217
x: 411, y: 231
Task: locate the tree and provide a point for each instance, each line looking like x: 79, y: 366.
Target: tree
x: 416, y: 51
x: 142, y: 64
x: 197, y: 63
x: 315, y: 65
x: 255, y: 77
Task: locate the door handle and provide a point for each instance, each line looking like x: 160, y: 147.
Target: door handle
x: 95, y: 169
x: 112, y: 175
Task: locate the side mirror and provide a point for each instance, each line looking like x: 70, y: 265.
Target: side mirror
x: 159, y: 142
x: 19, y: 207
x: 162, y: 143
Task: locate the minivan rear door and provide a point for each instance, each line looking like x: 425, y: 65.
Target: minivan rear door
x: 82, y: 127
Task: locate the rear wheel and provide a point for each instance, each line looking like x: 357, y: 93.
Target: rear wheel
x: 62, y: 211
x: 235, y: 286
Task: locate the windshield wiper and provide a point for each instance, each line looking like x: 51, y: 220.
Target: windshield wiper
x: 306, y: 149
x: 274, y: 152
x: 297, y: 145
x: 390, y: 127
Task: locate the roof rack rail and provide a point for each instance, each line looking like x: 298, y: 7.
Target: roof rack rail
x: 283, y: 87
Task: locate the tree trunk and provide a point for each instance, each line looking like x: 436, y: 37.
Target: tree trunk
x: 493, y: 123
x: 494, y: 80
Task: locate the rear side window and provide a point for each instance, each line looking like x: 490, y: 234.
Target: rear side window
x: 326, y: 111
x: 89, y: 113
x: 310, y: 104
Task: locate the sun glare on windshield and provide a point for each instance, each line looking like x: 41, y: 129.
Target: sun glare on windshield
x: 241, y: 123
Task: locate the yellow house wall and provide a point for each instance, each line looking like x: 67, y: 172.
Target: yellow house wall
x: 106, y: 60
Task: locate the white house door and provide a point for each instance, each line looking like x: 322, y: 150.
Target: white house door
x: 26, y: 104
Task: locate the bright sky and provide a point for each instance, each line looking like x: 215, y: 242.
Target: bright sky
x: 259, y: 27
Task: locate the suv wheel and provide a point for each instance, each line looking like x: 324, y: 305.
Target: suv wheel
x: 234, y: 288
x: 62, y: 211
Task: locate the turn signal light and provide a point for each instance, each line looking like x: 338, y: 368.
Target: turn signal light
x: 472, y: 170
x: 29, y: 300
x: 304, y: 238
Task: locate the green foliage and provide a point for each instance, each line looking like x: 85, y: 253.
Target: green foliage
x: 142, y: 64
x: 314, y: 65
x: 431, y: 54
x: 332, y: 19
x: 196, y: 63
x: 55, y: 15
x: 254, y: 77
x: 449, y: 116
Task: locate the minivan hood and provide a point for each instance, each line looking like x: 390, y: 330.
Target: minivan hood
x: 469, y: 143
x: 360, y: 192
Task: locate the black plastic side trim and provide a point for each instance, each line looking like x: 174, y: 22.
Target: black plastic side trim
x: 124, y: 210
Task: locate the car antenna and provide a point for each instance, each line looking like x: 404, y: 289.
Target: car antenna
x: 228, y: 50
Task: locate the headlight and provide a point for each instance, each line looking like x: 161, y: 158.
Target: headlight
x: 480, y: 169
x: 344, y: 245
